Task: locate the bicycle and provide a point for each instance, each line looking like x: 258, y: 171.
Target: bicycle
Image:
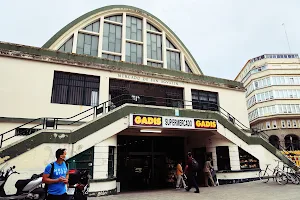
x: 292, y: 175
x: 277, y: 174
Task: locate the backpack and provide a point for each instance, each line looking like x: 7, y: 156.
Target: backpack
x: 51, y: 174
x: 195, y: 165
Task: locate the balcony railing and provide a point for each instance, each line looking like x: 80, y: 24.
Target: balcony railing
x: 105, y: 107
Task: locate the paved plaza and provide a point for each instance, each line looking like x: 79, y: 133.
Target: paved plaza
x: 245, y: 191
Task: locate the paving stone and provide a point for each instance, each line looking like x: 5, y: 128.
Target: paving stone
x: 245, y: 191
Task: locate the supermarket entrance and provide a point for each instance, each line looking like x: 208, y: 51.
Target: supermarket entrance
x: 148, y: 162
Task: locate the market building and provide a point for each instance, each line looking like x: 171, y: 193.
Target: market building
x: 119, y: 90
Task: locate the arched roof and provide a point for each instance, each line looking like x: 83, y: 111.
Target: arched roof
x: 65, y: 31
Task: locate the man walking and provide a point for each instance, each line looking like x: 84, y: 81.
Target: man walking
x: 56, y: 177
x: 191, y: 170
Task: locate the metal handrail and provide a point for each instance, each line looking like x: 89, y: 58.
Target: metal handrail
x: 120, y: 100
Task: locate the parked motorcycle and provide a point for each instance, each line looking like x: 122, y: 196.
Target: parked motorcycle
x: 79, y: 183
x: 26, y: 189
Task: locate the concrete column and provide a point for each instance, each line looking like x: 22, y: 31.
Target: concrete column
x: 100, y: 162
x: 123, y: 57
x: 144, y: 40
x: 75, y: 42
x: 187, y: 97
x: 234, y: 158
x: 164, y: 49
x: 182, y: 61
x: 104, y: 89
x: 100, y: 36
x: 281, y: 140
x: 101, y: 158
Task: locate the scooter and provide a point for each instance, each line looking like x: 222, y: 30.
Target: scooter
x: 26, y: 189
x: 79, y: 183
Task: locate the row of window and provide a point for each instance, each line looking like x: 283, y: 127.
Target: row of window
x: 254, y: 71
x: 273, y: 94
x: 290, y: 123
x: 78, y: 89
x: 88, y: 42
x: 274, y: 56
x: 247, y: 68
x: 283, y: 124
x: 274, y: 109
x: 273, y: 80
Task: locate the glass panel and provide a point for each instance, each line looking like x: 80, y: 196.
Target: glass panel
x: 80, y: 40
x: 87, y: 44
x: 89, y: 28
x: 111, y: 57
x: 174, y: 62
x: 94, y: 27
x: 154, y: 46
x: 67, y: 47
x: 112, y: 38
x: 170, y: 45
x: 152, y: 28
x: 134, y: 53
x: 154, y: 64
x: 117, y: 18
x: 133, y: 28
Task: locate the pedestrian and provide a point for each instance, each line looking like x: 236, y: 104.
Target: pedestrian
x: 207, y: 172
x: 179, y: 176
x: 191, y: 171
x: 56, y: 177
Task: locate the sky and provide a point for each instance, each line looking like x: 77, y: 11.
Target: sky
x: 222, y: 35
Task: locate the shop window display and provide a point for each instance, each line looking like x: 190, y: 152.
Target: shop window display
x: 248, y: 161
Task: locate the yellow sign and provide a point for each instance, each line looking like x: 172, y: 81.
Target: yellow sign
x: 142, y: 120
x: 207, y: 124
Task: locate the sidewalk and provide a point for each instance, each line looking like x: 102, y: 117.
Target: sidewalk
x: 245, y: 191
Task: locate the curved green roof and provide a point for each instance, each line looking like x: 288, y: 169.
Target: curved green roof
x: 74, y: 22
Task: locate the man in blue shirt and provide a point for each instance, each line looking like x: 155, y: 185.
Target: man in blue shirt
x: 57, y: 180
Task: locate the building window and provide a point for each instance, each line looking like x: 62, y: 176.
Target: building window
x: 282, y: 124
x: 152, y: 28
x: 223, y: 158
x: 289, y: 124
x: 116, y: 18
x: 154, y: 64
x: 173, y: 60
x: 205, y: 100
x: 112, y: 37
x: 75, y: 89
x: 169, y: 44
x: 134, y: 53
x: 111, y: 161
x: 94, y: 27
x: 154, y: 46
x: 134, y: 29
x: 295, y: 124
x: 187, y: 68
x: 67, y: 46
x: 268, y: 125
x: 274, y: 124
x: 291, y: 142
x: 111, y: 57
x: 173, y: 56
x: 87, y: 44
